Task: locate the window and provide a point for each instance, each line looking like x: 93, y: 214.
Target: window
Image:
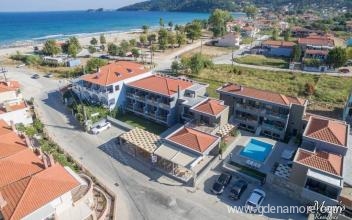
x: 117, y: 88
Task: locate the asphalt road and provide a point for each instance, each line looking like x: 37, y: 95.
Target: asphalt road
x: 141, y: 193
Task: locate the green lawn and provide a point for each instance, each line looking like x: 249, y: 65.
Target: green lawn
x: 330, y: 92
x: 260, y: 60
x: 142, y: 123
x: 247, y: 40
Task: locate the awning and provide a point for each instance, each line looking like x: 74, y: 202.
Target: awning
x: 142, y: 139
x: 177, y: 156
x: 334, y: 181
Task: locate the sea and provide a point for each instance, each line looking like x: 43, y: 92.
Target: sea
x: 21, y: 28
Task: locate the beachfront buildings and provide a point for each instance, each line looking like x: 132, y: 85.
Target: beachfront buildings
x: 13, y: 109
x: 158, y: 97
x: 262, y: 112
x: 106, y: 85
x: 319, y: 166
x: 34, y: 186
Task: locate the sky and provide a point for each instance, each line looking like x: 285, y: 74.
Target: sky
x: 61, y: 5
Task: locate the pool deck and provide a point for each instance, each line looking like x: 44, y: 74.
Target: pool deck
x: 273, y: 157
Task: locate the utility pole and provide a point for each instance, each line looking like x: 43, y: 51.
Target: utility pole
x: 232, y: 57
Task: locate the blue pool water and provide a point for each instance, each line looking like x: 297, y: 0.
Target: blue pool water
x: 256, y: 150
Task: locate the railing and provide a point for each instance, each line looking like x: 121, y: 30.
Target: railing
x: 250, y: 108
x: 276, y: 115
x: 245, y: 120
x: 270, y: 126
x: 164, y: 106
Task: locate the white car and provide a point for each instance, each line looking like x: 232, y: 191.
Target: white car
x: 255, y: 200
x: 101, y: 127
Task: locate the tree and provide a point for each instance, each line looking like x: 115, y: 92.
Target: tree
x: 113, y: 49
x: 93, y: 41
x: 296, y: 53
x: 175, y: 67
x: 197, y: 62
x: 251, y: 11
x: 143, y: 39
x: 145, y: 29
x: 72, y: 50
x: 151, y: 38
x: 50, y: 48
x: 337, y: 57
x: 161, y: 22
x: 170, y: 24
x: 218, y: 20
x: 102, y: 39
x: 180, y: 39
x: 162, y: 39
x: 193, y: 30
x: 171, y: 38
x: 124, y: 48
x: 135, y: 53
x: 133, y: 42
x: 287, y: 35
x: 349, y: 52
x: 180, y: 28
x: 94, y: 63
x: 309, y: 89
x: 92, y: 49
x: 275, y: 34
x: 71, y: 47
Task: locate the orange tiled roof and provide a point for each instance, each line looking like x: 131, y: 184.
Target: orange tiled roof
x: 19, y: 166
x: 13, y: 107
x: 317, y: 40
x: 9, y: 86
x: 330, y: 131
x: 317, y: 52
x: 193, y: 139
x: 211, y: 107
x: 262, y: 95
x: 27, y: 195
x: 279, y: 43
x: 161, y: 84
x: 115, y: 72
x: 321, y: 160
x: 10, y: 142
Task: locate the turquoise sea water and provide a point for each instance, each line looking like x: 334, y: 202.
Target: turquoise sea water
x: 35, y: 26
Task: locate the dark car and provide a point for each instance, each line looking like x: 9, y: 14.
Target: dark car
x: 220, y: 184
x: 35, y: 76
x: 49, y: 75
x: 237, y: 189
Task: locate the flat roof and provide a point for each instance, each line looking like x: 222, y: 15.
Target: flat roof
x: 176, y: 155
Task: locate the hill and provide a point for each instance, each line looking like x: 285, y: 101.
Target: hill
x: 230, y: 5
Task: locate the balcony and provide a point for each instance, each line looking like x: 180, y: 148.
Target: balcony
x: 312, y: 196
x: 272, y: 114
x: 273, y: 127
x: 249, y: 109
x: 246, y: 120
x: 164, y: 106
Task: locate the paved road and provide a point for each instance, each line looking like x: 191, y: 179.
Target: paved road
x: 141, y: 193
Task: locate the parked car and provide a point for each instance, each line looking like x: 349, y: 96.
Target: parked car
x: 101, y: 127
x: 21, y: 65
x: 49, y: 75
x: 223, y: 180
x: 255, y: 199
x: 35, y: 76
x: 237, y: 189
x: 344, y: 70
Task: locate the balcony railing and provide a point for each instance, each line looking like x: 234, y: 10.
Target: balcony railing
x: 276, y: 115
x: 250, y: 108
x: 272, y: 127
x: 246, y: 120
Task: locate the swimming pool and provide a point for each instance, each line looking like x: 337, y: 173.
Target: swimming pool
x: 256, y: 150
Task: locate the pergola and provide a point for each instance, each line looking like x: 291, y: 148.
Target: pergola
x: 225, y: 130
x: 141, y: 140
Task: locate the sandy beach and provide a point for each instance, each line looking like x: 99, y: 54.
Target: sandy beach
x: 27, y: 47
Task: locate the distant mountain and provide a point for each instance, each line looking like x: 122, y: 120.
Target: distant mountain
x: 230, y: 5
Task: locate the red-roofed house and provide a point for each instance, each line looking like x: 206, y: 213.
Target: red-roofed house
x: 106, y: 86
x: 316, y: 42
x: 158, y: 97
x: 263, y: 112
x: 35, y: 187
x: 318, y: 166
x: 15, y: 111
x: 210, y: 115
x: 194, y: 140
x: 9, y: 90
